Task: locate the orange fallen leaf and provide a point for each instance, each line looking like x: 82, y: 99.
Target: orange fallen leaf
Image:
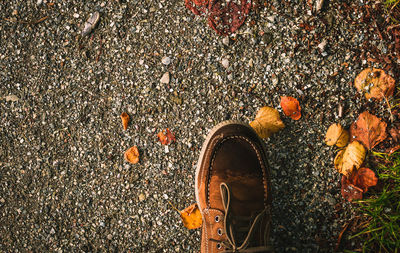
x: 336, y: 135
x: 350, y: 158
x: 375, y: 83
x: 191, y: 217
x: 368, y: 129
x: 132, y: 155
x: 291, y: 107
x: 166, y: 137
x: 267, y: 122
x: 125, y: 120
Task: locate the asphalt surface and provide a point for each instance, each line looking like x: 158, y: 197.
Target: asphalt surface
x: 64, y: 185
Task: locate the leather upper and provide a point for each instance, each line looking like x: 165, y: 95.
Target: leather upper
x: 234, y: 155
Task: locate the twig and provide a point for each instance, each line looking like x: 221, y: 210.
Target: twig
x: 15, y: 21
x: 176, y: 209
x: 40, y: 20
x: 389, y: 109
x: 26, y: 22
x: 100, y: 50
x: 340, y: 236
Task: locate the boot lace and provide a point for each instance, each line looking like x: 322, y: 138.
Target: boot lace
x: 230, y: 245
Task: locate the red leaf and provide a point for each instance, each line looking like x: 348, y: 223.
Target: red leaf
x: 227, y: 19
x: 166, y: 137
x: 358, y: 183
x: 364, y: 178
x: 198, y: 7
x: 224, y: 17
x: 170, y: 136
x: 291, y: 107
x: 350, y: 191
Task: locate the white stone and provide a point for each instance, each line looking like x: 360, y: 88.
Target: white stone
x: 225, y: 41
x: 225, y: 63
x: 166, y: 60
x: 322, y: 45
x: 12, y: 98
x: 165, y: 78
x: 319, y: 5
x: 271, y: 18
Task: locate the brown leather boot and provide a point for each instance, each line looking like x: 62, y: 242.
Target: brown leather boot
x: 233, y: 190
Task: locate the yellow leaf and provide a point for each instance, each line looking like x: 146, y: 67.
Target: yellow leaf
x: 267, y: 122
x: 350, y: 158
x: 191, y: 217
x: 337, y: 135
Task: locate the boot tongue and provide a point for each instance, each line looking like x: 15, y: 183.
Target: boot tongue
x: 239, y: 229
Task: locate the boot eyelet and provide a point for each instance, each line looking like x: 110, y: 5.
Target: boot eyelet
x: 219, y: 231
x: 217, y: 218
x: 219, y: 246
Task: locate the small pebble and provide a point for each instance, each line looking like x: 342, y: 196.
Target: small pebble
x: 318, y: 6
x: 166, y: 60
x: 142, y: 197
x: 91, y: 23
x: 226, y: 41
x: 322, y: 45
x: 165, y: 78
x: 225, y: 63
x: 12, y: 98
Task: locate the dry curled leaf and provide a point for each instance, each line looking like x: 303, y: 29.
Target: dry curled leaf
x: 291, y: 107
x: 336, y: 135
x: 191, y: 217
x: 198, y: 7
x: 368, y: 129
x: 267, y: 122
x: 132, y: 155
x: 225, y: 17
x: 125, y: 120
x: 350, y: 191
x: 350, y: 158
x: 357, y: 183
x: 166, y: 137
x: 375, y: 83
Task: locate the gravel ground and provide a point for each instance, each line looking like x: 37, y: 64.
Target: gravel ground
x: 64, y: 185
